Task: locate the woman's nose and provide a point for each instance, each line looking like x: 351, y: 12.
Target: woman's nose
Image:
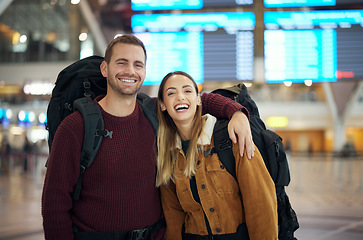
x: 181, y: 96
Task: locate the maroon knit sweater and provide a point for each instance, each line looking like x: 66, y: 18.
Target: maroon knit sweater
x: 118, y: 191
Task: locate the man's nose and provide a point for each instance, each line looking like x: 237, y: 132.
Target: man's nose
x: 129, y: 69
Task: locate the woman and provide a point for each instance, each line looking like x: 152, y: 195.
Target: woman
x: 200, y: 198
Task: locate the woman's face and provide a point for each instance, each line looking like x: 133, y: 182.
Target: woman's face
x: 180, y: 99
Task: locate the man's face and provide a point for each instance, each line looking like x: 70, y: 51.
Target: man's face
x: 126, y: 70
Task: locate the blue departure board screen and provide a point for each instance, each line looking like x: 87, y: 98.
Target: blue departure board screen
x: 314, y: 45
x: 309, y: 3
x: 172, y: 51
x: 208, y: 46
x: 144, y: 5
x: 298, y: 3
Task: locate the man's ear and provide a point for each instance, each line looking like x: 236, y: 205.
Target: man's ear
x: 103, y: 68
x: 162, y: 106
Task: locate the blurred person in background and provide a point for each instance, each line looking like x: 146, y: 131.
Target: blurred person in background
x: 27, y: 153
x: 5, y: 154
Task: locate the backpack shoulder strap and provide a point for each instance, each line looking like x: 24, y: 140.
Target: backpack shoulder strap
x: 94, y: 132
x: 149, y: 107
x: 223, y: 146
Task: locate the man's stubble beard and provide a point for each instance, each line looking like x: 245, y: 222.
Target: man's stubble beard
x: 124, y: 92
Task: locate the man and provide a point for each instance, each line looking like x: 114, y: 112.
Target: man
x: 119, y: 199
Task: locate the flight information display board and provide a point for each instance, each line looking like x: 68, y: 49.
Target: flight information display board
x: 298, y: 3
x: 314, y: 45
x: 308, y: 3
x: 144, y: 5
x: 208, y: 46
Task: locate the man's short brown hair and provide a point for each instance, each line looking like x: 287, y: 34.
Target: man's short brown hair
x: 126, y: 39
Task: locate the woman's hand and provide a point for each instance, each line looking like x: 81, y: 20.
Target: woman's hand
x: 239, y: 128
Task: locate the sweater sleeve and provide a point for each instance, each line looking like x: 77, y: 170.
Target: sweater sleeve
x: 258, y: 196
x: 61, y: 175
x: 174, y: 214
x: 220, y: 106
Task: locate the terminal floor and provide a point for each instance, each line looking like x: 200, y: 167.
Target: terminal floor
x: 326, y: 193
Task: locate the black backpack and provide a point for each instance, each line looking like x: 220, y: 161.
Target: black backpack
x: 75, y: 88
x: 272, y: 150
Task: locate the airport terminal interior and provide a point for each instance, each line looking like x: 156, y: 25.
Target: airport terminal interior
x: 301, y: 61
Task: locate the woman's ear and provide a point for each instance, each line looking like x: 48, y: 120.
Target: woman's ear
x: 199, y: 100
x: 162, y: 106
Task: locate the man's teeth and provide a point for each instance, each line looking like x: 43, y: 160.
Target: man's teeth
x: 128, y: 80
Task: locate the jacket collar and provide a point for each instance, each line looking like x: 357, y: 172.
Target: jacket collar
x: 207, y: 133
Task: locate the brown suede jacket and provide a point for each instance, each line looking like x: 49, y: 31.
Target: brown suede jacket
x: 226, y: 202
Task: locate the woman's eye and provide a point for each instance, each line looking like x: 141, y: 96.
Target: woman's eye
x: 170, y: 93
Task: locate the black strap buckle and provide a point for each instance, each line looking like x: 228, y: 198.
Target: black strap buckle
x: 139, y: 234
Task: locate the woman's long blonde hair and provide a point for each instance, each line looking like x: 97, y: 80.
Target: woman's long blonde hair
x: 166, y: 140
